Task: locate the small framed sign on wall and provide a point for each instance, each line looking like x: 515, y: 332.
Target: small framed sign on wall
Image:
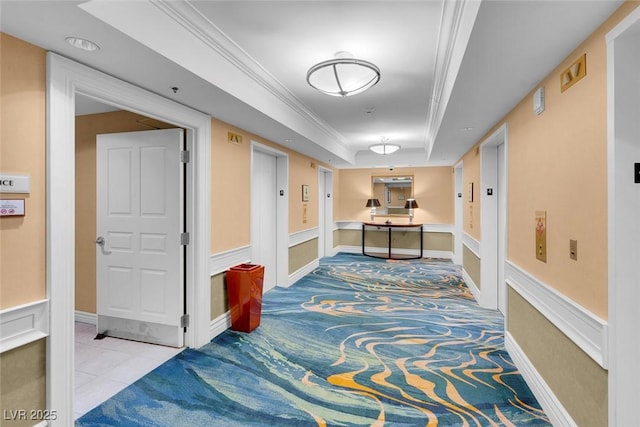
x: 305, y: 193
x: 12, y: 207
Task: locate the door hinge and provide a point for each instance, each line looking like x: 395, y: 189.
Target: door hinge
x: 184, y: 321
x: 184, y: 238
x: 185, y: 156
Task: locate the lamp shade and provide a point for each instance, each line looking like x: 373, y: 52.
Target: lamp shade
x: 343, y: 76
x: 410, y: 204
x: 372, y: 203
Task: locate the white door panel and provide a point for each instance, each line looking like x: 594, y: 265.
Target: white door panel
x: 139, y: 268
x: 264, y: 191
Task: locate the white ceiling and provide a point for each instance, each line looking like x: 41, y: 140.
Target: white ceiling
x: 445, y: 65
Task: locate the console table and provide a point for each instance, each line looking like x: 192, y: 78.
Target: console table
x: 390, y: 227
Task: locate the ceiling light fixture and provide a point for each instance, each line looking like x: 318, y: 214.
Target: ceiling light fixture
x: 82, y: 44
x: 343, y: 76
x: 384, y: 147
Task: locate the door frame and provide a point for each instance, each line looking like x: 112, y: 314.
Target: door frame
x: 282, y: 205
x: 325, y: 211
x: 458, y: 203
x: 491, y: 231
x: 65, y: 79
x: 623, y: 212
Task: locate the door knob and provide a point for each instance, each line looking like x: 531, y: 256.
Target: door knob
x: 100, y: 241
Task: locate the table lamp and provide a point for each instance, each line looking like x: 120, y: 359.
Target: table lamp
x: 410, y: 204
x: 373, y: 204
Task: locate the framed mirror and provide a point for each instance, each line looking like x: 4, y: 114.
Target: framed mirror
x: 392, y: 192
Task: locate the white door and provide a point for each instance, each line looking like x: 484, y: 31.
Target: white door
x: 140, y: 283
x: 325, y: 213
x: 264, y: 211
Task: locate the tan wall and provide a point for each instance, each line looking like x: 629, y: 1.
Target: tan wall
x: 471, y: 209
x: 22, y: 151
x: 302, y: 254
x: 22, y: 383
x: 578, y: 382
x: 23, y: 239
x: 231, y: 180
x: 434, y: 241
x: 558, y: 164
x: 219, y: 295
x: 471, y: 264
x: 432, y: 189
x: 87, y: 128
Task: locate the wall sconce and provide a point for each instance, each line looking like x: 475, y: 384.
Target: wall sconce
x: 373, y: 204
x: 410, y: 204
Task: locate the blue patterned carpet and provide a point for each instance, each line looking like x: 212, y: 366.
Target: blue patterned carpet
x: 358, y: 342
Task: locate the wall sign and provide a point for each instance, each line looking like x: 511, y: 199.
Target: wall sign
x: 15, y: 183
x: 12, y: 207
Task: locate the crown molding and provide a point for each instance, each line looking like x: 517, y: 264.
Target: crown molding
x: 185, y: 14
x: 456, y: 24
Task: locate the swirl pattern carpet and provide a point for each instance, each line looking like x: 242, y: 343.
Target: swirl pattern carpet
x: 357, y: 342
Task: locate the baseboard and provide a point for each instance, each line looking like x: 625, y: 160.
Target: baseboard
x: 471, y: 285
x: 556, y: 412
x: 293, y: 278
x: 219, y: 325
x: 425, y: 253
x: 85, y: 317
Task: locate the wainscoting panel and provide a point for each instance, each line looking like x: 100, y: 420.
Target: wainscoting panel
x: 586, y: 330
x: 23, y: 324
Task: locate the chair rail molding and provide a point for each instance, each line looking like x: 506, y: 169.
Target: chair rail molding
x: 222, y: 261
x: 585, y: 329
x: 23, y: 324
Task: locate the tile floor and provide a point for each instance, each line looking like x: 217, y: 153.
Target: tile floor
x: 104, y: 367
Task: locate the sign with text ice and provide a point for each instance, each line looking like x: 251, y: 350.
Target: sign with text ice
x: 15, y: 183
x: 12, y: 207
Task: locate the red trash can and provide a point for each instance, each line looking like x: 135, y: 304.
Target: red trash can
x: 244, y: 286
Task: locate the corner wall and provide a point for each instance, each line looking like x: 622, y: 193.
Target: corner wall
x: 23, y: 239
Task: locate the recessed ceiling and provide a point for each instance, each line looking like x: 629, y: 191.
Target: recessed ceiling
x: 245, y: 62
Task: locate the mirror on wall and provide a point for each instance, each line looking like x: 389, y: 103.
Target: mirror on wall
x: 392, y: 192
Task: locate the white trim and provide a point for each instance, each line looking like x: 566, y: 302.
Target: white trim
x: 227, y: 67
x: 623, y: 104
x: 459, y: 212
x: 297, y: 275
x: 456, y: 24
x: 551, y: 405
x: 585, y: 329
x: 65, y: 79
x: 490, y: 229
x: 472, y: 244
x: 23, y: 324
x: 471, y: 285
x: 219, y: 325
x: 222, y: 261
x: 349, y: 225
x: 86, y: 317
x: 437, y: 254
x: 303, y: 236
